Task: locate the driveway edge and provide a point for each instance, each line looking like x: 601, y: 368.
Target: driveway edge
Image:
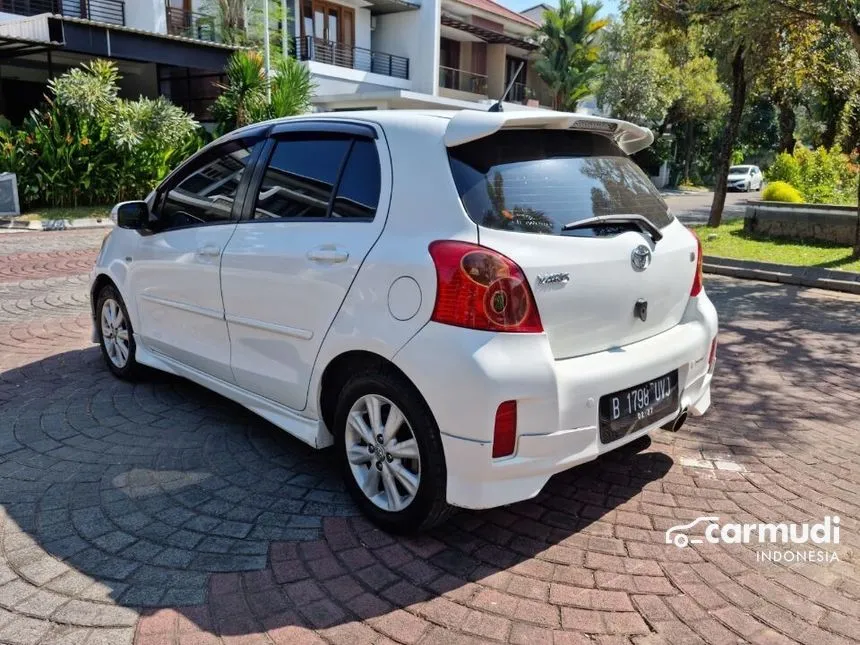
x: 844, y: 281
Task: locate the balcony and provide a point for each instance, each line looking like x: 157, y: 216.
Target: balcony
x: 351, y: 57
x: 108, y: 11
x: 462, y: 80
x: 191, y: 24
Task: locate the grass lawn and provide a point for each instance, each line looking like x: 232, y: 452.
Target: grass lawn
x: 732, y: 242
x: 80, y: 212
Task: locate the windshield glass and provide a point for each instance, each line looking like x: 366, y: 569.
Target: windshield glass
x: 536, y: 181
x: 739, y: 170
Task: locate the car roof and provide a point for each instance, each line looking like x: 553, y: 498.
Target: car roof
x: 461, y: 126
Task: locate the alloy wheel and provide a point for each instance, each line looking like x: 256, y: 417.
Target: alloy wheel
x: 115, y: 333
x: 382, y: 452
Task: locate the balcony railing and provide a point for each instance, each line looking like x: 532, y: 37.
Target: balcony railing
x: 192, y: 25
x: 342, y: 55
x: 110, y: 11
x: 462, y: 80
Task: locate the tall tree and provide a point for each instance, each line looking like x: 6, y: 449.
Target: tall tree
x: 639, y: 82
x: 844, y: 14
x: 569, y: 50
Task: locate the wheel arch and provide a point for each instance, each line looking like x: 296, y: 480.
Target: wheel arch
x: 341, y: 367
x: 101, y: 281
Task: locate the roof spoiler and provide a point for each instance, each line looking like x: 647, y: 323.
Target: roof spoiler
x: 469, y: 125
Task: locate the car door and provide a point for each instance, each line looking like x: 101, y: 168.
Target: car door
x: 174, y: 275
x: 309, y: 221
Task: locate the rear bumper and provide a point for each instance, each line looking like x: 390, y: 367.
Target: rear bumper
x: 464, y: 375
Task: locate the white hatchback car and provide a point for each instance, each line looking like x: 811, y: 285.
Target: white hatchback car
x: 463, y: 303
x: 745, y: 178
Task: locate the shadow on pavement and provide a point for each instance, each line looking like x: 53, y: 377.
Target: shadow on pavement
x: 121, y: 497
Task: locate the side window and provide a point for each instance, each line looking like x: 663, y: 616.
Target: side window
x: 301, y: 177
x: 206, y: 195
x: 358, y: 191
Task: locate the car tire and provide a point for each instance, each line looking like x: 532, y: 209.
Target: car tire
x: 408, y: 508
x: 116, y: 335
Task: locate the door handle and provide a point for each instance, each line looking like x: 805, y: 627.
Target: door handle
x: 328, y: 255
x: 209, y: 251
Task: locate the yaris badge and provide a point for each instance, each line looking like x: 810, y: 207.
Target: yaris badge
x: 641, y: 257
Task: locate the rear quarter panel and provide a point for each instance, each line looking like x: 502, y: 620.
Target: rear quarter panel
x: 424, y: 207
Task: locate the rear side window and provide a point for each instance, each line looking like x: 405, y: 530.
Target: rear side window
x: 536, y: 181
x: 358, y: 192
x: 300, y: 178
x: 320, y: 176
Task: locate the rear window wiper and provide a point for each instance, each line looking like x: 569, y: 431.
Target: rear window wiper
x: 643, y: 223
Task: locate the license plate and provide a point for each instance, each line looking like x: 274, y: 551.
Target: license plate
x: 634, y: 408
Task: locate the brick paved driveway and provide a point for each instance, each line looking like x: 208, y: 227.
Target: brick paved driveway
x: 160, y: 513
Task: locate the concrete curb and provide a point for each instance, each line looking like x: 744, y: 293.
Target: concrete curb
x: 13, y: 225
x: 845, y: 281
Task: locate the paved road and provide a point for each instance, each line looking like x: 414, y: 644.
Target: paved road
x: 161, y: 513
x: 695, y: 208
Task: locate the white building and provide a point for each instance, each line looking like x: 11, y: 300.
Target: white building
x: 416, y: 53
x: 362, y: 53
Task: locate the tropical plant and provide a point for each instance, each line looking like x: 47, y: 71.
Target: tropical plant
x: 781, y: 191
x: 86, y: 146
x: 569, y: 50
x: 248, y: 96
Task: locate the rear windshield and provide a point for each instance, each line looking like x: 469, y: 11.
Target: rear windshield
x: 536, y: 181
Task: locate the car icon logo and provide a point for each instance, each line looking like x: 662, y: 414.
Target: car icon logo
x: 640, y: 258
x: 682, y: 540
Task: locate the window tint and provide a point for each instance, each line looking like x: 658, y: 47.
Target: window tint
x: 536, y: 181
x: 206, y: 195
x: 358, y: 192
x: 300, y: 178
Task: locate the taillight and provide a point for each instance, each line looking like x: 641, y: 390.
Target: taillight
x: 505, y: 430
x: 697, y: 279
x: 479, y: 288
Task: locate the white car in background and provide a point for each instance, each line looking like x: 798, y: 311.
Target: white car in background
x: 745, y: 178
x: 463, y: 303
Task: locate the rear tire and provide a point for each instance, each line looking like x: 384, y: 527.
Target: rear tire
x: 394, y: 471
x: 116, y: 335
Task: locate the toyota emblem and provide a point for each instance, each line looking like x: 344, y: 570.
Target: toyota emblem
x: 641, y: 257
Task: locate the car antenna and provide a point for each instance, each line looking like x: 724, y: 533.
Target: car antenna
x: 497, y: 106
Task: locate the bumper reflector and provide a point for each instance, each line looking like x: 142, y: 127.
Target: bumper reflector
x: 505, y: 430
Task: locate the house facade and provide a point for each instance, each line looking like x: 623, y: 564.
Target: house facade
x: 363, y: 54
x: 417, y: 53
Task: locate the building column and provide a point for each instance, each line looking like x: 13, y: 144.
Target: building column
x: 495, y: 70
x: 424, y: 63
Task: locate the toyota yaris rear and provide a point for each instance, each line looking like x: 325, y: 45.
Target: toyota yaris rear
x: 463, y: 304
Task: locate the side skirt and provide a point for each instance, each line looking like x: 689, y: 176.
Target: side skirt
x: 311, y: 431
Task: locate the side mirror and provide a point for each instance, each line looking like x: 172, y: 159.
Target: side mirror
x: 131, y: 215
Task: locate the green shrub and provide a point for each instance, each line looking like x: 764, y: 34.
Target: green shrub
x: 822, y: 176
x: 87, y: 146
x: 780, y: 191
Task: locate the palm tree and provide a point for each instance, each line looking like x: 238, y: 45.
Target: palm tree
x: 248, y: 96
x: 569, y: 50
